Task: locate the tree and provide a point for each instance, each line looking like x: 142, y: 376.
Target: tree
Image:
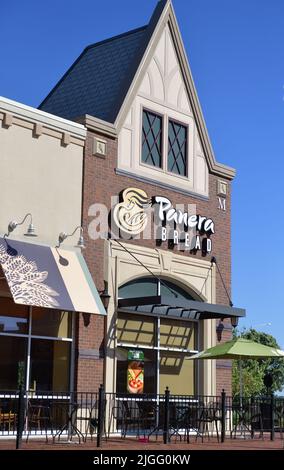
x: 254, y: 370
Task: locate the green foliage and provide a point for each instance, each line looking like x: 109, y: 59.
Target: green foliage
x: 252, y: 378
x: 254, y: 370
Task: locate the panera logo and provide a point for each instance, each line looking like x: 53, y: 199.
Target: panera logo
x: 129, y: 215
x: 153, y: 218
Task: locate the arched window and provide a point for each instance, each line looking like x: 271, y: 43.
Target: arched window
x: 147, y: 286
x: 157, y: 346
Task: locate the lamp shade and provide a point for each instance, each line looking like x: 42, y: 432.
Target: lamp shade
x: 105, y: 298
x: 31, y: 231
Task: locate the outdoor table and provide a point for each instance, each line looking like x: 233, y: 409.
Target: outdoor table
x: 70, y: 425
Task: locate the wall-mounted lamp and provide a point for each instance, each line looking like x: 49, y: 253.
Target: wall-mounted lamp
x: 105, y: 297
x: 234, y: 321
x: 62, y: 236
x: 14, y: 224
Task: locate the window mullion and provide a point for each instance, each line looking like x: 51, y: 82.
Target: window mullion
x: 28, y: 370
x: 158, y: 339
x: 165, y: 143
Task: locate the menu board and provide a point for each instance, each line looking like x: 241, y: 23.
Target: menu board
x: 135, y: 371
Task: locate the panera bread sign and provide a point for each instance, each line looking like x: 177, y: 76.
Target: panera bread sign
x: 156, y: 217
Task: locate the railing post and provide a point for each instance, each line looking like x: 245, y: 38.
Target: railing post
x: 100, y: 415
x: 272, y: 417
x: 21, y: 417
x: 166, y: 438
x: 223, y: 415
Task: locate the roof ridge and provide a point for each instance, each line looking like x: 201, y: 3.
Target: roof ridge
x: 113, y: 38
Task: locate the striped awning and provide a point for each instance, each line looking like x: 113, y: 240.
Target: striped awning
x: 44, y: 276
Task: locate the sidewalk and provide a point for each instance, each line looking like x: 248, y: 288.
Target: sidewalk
x: 117, y: 444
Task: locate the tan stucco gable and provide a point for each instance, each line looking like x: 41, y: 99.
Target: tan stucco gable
x: 168, y: 19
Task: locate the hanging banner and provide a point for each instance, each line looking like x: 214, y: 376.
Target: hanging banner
x: 135, y: 372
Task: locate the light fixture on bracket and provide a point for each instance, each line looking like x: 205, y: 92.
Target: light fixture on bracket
x: 105, y: 297
x: 234, y: 321
x: 14, y: 224
x: 63, y: 235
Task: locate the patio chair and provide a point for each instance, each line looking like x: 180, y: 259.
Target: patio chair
x: 149, y: 418
x: 7, y: 420
x: 179, y: 421
x: 116, y: 411
x: 93, y: 420
x: 130, y: 418
x: 39, y: 419
x: 256, y: 419
x: 279, y: 418
x: 210, y: 416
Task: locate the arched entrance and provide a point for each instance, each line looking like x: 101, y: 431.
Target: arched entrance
x: 153, y: 343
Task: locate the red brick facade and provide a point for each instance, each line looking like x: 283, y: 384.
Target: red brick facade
x: 99, y: 184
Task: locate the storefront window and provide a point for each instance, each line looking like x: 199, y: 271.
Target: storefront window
x: 176, y: 334
x: 21, y: 329
x: 177, y: 373
x: 13, y: 351
x: 53, y: 323
x: 148, y: 286
x: 49, y: 365
x: 13, y: 317
x: 135, y: 330
x: 168, y: 342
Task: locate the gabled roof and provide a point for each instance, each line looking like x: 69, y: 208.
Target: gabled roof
x: 103, y: 81
x: 98, y: 81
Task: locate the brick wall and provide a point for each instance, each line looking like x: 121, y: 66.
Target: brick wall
x: 100, y: 183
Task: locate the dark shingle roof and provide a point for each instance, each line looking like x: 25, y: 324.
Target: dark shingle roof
x: 94, y: 81
x: 99, y: 79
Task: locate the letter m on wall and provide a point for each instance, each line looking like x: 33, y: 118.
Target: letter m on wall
x: 221, y: 203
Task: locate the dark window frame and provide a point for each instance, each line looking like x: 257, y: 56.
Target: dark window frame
x: 162, y: 118
x: 185, y: 126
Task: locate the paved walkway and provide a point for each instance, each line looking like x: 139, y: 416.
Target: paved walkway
x: 118, y: 444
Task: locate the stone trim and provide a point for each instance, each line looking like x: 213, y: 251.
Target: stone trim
x: 7, y: 120
x: 155, y: 182
x: 98, y: 125
x: 90, y: 354
x: 223, y: 364
x: 41, y: 123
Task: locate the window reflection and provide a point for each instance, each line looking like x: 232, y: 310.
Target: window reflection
x: 49, y: 365
x: 53, y: 323
x: 13, y: 317
x: 177, y: 373
x: 12, y: 362
x: 49, y: 358
x: 12, y: 325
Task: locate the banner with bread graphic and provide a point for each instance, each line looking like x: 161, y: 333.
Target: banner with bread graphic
x: 135, y: 372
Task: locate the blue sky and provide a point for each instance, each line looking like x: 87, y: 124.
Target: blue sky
x: 236, y: 53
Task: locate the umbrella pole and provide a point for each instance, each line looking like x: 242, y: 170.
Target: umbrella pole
x: 242, y: 412
x: 241, y: 382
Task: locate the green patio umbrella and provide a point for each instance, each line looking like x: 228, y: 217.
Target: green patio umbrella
x: 239, y: 348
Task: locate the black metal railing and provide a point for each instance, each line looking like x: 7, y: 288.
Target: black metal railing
x: 102, y: 415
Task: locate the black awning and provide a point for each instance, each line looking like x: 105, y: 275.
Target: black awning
x: 171, y: 306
